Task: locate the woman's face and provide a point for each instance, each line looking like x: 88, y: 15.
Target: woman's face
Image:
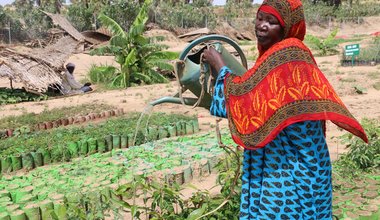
x: 268, y: 30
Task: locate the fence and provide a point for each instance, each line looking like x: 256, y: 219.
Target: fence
x: 182, y: 20
x: 330, y: 22
x: 5, y: 35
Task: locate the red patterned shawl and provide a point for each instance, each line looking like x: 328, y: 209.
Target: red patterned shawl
x: 284, y: 87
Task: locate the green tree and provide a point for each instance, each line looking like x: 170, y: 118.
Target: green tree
x: 139, y: 58
x: 27, y: 22
x: 81, y: 16
x: 123, y: 12
x: 7, y: 21
x: 55, y: 5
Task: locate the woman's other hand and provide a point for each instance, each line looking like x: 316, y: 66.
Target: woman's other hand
x: 214, y: 59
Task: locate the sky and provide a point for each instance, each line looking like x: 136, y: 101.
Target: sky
x: 216, y: 2
x: 4, y: 2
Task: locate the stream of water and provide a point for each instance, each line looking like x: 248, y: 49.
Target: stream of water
x: 147, y: 110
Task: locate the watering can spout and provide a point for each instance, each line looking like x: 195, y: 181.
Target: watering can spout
x: 174, y: 100
x: 188, y: 71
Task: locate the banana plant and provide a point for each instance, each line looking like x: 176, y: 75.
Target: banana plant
x: 139, y: 58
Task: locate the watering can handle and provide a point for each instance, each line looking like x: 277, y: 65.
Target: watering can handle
x: 215, y: 37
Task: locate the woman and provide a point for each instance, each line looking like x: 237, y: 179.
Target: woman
x: 277, y: 112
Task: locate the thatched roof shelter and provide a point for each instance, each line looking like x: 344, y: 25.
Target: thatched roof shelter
x: 66, y: 25
x: 55, y: 55
x: 40, y: 67
x: 34, y: 74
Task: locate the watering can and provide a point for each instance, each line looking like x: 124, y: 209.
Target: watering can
x: 188, y: 70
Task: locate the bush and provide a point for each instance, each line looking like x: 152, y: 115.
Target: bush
x: 317, y: 14
x: 103, y: 75
x: 80, y: 17
x: 325, y: 46
x: 362, y: 156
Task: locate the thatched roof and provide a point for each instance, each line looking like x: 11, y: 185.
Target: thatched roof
x: 104, y: 31
x: 65, y: 25
x: 190, y: 36
x: 34, y: 74
x: 55, y: 55
x: 95, y: 37
x: 39, y: 67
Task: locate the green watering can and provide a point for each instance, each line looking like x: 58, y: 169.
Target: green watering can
x: 188, y: 70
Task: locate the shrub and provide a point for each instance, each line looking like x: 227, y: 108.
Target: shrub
x: 103, y: 75
x: 325, y: 46
x: 318, y: 13
x: 362, y: 156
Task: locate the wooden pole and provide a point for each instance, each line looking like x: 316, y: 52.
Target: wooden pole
x: 9, y: 32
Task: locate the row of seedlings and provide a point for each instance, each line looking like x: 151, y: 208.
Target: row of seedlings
x: 45, y: 155
x: 89, y: 183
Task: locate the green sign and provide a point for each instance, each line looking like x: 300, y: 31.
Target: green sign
x: 352, y: 50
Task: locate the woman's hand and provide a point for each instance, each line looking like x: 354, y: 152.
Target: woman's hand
x: 214, y: 59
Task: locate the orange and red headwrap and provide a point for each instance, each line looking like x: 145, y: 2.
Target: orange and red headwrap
x: 270, y: 10
x: 290, y: 15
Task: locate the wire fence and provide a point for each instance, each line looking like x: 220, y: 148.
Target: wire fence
x: 179, y: 20
x: 175, y: 19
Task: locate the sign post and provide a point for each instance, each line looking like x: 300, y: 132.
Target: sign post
x: 352, y: 50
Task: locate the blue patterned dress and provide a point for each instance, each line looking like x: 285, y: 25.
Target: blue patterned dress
x: 290, y: 178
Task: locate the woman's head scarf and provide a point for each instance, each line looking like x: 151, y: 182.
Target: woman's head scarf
x: 285, y: 86
x: 290, y: 15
